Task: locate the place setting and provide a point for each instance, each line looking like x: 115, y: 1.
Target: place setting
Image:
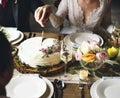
x: 29, y: 86
x: 34, y: 86
x: 75, y: 39
x: 53, y: 59
x: 13, y: 35
x: 106, y: 87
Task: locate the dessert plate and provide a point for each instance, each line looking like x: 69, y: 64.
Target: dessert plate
x: 26, y: 86
x: 50, y: 89
x: 13, y: 35
x: 68, y: 43
x: 19, y: 39
x: 108, y: 88
x: 78, y: 38
x: 93, y: 88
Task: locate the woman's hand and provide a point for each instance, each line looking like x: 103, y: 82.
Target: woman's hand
x: 42, y: 14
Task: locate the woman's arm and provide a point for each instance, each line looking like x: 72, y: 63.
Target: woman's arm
x: 58, y: 18
x: 42, y: 14
x: 55, y: 20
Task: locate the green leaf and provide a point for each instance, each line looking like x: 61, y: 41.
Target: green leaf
x: 72, y: 72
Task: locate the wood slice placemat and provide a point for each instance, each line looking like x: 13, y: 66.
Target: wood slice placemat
x: 47, y: 71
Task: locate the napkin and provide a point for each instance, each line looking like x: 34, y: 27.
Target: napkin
x: 116, y: 77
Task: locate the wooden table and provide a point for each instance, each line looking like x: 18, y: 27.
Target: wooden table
x: 72, y: 90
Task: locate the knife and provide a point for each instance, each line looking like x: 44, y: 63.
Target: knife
x: 82, y: 90
x: 58, y: 88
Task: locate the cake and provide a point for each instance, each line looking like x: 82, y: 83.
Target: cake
x: 35, y: 52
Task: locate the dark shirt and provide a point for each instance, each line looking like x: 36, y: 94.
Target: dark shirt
x: 18, y: 14
x: 6, y: 15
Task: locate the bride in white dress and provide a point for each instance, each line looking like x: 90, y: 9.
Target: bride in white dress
x: 93, y: 15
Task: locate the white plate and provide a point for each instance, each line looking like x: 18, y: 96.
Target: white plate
x: 106, y: 88
x: 19, y: 39
x: 108, y: 85
x: 26, y: 86
x: 94, y: 87
x: 68, y: 42
x: 78, y: 38
x: 50, y: 87
x: 12, y: 33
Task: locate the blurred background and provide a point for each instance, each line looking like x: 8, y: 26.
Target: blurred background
x: 115, y: 10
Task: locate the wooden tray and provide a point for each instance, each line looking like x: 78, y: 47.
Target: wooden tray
x: 50, y: 71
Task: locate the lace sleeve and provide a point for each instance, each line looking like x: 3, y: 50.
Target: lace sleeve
x: 58, y: 18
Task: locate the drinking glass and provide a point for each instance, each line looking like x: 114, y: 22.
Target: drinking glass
x: 65, y: 56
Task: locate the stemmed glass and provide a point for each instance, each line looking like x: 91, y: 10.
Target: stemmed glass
x: 66, y: 56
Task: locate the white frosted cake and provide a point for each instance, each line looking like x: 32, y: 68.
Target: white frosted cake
x: 34, y: 53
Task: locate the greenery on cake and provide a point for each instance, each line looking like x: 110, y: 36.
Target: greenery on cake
x: 39, y: 68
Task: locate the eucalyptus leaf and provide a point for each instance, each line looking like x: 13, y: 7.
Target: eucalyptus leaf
x: 72, y: 72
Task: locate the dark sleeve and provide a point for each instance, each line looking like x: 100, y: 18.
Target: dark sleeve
x: 5, y: 54
x: 107, y: 16
x: 34, y: 4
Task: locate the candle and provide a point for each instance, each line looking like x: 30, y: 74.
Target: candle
x: 83, y: 74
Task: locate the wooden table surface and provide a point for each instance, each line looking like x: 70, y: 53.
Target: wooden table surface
x: 71, y: 90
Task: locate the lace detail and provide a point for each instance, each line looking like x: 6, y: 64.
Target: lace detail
x: 93, y: 17
x: 75, y: 14
x: 96, y: 14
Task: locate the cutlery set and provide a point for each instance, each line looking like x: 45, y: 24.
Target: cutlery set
x: 58, y: 85
x: 58, y: 88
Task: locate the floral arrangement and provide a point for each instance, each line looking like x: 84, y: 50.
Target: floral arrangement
x: 89, y: 51
x: 91, y: 55
x: 113, y: 43
x: 51, y: 49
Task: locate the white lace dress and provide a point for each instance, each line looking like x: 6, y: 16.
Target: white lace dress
x: 98, y: 18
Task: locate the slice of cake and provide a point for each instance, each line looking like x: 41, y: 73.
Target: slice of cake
x: 33, y: 52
